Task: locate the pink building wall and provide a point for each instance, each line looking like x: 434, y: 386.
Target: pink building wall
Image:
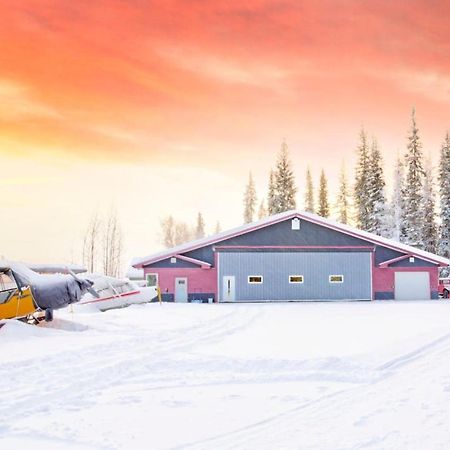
x: 384, y: 278
x: 199, y: 280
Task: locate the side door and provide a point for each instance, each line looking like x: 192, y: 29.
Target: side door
x: 181, y: 290
x: 229, y: 289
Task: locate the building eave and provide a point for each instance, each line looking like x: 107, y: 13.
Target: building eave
x: 247, y: 228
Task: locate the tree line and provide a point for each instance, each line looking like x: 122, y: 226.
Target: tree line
x: 175, y: 232
x: 103, y: 244
x: 410, y: 215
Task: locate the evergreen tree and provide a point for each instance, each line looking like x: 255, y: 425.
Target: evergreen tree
x: 200, y: 227
x: 444, y: 197
x: 397, y: 201
x: 285, y: 189
x: 324, y: 208
x: 309, y: 193
x: 430, y: 230
x: 377, y: 207
x: 218, y: 228
x: 412, y: 232
x: 249, y: 200
x: 271, y: 194
x: 343, y: 197
x: 262, y: 212
x: 361, y: 189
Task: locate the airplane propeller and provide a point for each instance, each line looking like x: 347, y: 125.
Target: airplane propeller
x: 81, y: 281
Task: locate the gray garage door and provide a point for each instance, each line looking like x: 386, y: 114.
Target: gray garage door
x: 412, y: 286
x: 350, y: 272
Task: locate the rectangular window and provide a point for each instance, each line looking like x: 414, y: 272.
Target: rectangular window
x: 295, y: 279
x: 336, y: 278
x: 173, y: 260
x: 255, y: 279
x: 152, y: 279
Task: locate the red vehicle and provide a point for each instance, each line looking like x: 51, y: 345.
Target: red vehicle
x: 444, y: 287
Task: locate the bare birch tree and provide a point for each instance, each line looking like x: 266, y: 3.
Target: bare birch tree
x: 112, y: 245
x: 91, y: 245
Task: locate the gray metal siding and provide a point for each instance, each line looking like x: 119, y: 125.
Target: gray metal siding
x: 166, y: 264
x: 417, y: 263
x: 281, y: 233
x: 383, y: 254
x: 276, y: 267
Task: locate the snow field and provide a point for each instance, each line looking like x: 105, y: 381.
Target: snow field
x: 293, y: 376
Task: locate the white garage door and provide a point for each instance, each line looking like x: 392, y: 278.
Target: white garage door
x: 412, y: 286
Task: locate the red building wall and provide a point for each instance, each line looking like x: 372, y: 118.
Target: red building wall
x: 384, y: 278
x: 200, y: 281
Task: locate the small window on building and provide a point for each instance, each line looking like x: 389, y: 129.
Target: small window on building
x: 295, y: 279
x: 411, y: 259
x: 173, y: 260
x: 336, y: 278
x: 152, y: 279
x: 255, y: 279
x: 295, y: 223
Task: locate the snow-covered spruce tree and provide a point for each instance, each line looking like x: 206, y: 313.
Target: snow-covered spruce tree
x: 343, y: 197
x: 361, y: 188
x: 444, y: 197
x: 309, y: 192
x: 412, y: 229
x: 249, y: 200
x: 285, y: 188
x: 444, y: 194
x: 271, y: 194
x: 262, y: 212
x: 379, y: 218
x: 323, y: 207
x: 200, y: 227
x: 397, y: 201
x: 430, y: 229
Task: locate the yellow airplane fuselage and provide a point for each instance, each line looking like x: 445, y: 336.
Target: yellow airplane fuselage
x: 20, y: 304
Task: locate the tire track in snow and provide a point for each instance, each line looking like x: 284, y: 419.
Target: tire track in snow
x: 414, y: 354
x: 245, y: 437
x: 59, y: 389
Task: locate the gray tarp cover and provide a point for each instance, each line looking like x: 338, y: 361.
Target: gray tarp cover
x: 51, y: 291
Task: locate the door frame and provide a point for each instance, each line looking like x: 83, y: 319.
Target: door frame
x: 412, y: 272
x: 232, y: 287
x: 175, y: 291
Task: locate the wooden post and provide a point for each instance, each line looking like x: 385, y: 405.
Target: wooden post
x: 158, y: 290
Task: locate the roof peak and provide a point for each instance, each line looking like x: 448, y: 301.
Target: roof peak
x: 276, y: 218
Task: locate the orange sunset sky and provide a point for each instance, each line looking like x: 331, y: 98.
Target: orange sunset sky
x: 163, y: 107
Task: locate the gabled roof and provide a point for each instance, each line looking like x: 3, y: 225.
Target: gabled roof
x: 313, y: 218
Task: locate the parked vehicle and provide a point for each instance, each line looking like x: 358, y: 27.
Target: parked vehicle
x: 27, y: 295
x: 444, y: 287
x: 116, y: 293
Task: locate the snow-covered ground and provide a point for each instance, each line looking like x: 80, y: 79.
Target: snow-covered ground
x: 251, y: 376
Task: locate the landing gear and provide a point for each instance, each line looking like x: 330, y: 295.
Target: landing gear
x: 445, y: 293
x: 48, y: 315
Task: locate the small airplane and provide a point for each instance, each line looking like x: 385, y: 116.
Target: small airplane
x: 32, y: 297
x: 113, y: 293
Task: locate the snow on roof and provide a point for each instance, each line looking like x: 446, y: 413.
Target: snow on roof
x: 134, y: 274
x: 57, y: 268
x: 314, y: 218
